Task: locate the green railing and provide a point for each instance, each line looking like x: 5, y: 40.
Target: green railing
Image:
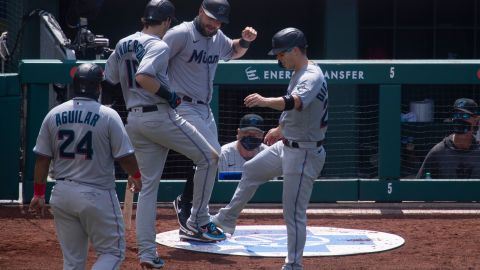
x: 389, y: 75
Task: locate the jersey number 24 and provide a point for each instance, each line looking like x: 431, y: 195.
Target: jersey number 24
x: 83, y: 147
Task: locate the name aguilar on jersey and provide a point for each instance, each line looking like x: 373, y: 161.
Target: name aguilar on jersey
x: 73, y: 117
x: 131, y: 46
x: 201, y: 57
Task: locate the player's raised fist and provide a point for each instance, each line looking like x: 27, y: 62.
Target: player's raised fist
x: 249, y: 34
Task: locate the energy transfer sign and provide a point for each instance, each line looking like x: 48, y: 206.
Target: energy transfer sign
x: 271, y: 241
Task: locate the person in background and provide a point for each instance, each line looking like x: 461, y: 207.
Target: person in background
x: 248, y: 144
x: 457, y: 156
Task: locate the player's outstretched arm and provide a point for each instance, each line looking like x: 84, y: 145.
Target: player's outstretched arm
x: 284, y: 103
x: 42, y: 163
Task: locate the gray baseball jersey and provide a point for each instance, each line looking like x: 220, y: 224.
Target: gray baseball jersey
x: 83, y: 137
x: 156, y: 130
x: 299, y: 166
x: 305, y: 125
x: 230, y: 158
x: 194, y: 60
x: 124, y: 62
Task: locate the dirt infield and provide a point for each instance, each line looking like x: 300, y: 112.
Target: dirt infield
x: 431, y: 242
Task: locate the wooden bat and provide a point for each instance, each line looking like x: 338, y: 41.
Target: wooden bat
x: 127, y: 207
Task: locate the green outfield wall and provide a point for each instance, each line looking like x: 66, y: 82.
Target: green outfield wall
x: 36, y: 75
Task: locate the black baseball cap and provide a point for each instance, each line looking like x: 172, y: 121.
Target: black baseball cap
x: 466, y: 105
x: 251, y: 122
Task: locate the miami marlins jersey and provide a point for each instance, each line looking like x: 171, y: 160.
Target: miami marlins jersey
x: 310, y: 123
x: 83, y: 137
x: 194, y: 60
x: 230, y: 158
x: 141, y: 53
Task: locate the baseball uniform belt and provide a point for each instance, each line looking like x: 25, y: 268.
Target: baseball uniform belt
x: 295, y: 144
x: 189, y: 99
x: 149, y: 108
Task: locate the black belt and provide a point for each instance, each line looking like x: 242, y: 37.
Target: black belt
x: 189, y: 99
x: 301, y: 144
x: 149, y: 108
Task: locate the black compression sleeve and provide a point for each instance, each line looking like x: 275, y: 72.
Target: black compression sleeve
x: 289, y: 102
x: 164, y: 92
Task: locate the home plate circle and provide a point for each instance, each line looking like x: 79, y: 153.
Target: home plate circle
x: 271, y: 241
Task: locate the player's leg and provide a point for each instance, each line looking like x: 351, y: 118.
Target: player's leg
x: 187, y: 140
x: 151, y: 159
x: 263, y: 167
x: 71, y: 235
x: 300, y: 169
x: 103, y: 222
x: 201, y: 117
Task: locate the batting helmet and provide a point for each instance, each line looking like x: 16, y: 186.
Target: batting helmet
x: 287, y: 39
x: 86, y: 80
x: 159, y: 10
x: 217, y: 9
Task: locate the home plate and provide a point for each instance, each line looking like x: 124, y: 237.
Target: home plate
x: 271, y: 241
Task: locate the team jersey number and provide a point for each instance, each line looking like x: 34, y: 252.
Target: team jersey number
x: 132, y: 66
x: 83, y: 147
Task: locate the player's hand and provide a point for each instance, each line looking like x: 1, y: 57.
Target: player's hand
x: 273, y: 136
x: 255, y: 100
x: 249, y: 34
x: 134, y: 184
x: 174, y: 100
x: 37, y: 203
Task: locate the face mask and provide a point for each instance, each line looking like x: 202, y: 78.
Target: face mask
x: 460, y: 126
x: 250, y: 143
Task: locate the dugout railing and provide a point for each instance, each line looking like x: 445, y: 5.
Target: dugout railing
x: 344, y: 80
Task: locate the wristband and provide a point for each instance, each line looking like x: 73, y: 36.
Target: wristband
x: 39, y: 189
x: 289, y: 102
x: 244, y: 44
x: 137, y: 175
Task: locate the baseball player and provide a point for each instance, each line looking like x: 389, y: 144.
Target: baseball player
x: 457, y: 156
x: 155, y: 127
x: 195, y: 49
x: 295, y: 150
x: 248, y: 144
x: 78, y: 141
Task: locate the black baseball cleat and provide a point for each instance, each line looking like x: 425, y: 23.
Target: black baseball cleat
x: 191, y: 236
x: 183, y: 210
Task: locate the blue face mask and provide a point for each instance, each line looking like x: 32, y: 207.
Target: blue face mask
x: 251, y: 143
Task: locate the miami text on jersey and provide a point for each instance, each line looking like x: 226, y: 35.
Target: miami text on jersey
x: 71, y: 117
x: 201, y: 57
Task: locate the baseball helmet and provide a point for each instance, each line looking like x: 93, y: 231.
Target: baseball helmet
x: 287, y: 39
x: 86, y: 80
x: 159, y: 10
x: 217, y: 9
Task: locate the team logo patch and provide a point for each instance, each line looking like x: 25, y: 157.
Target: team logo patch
x: 271, y: 241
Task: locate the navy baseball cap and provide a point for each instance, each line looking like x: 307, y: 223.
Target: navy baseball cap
x: 466, y: 105
x: 251, y: 122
